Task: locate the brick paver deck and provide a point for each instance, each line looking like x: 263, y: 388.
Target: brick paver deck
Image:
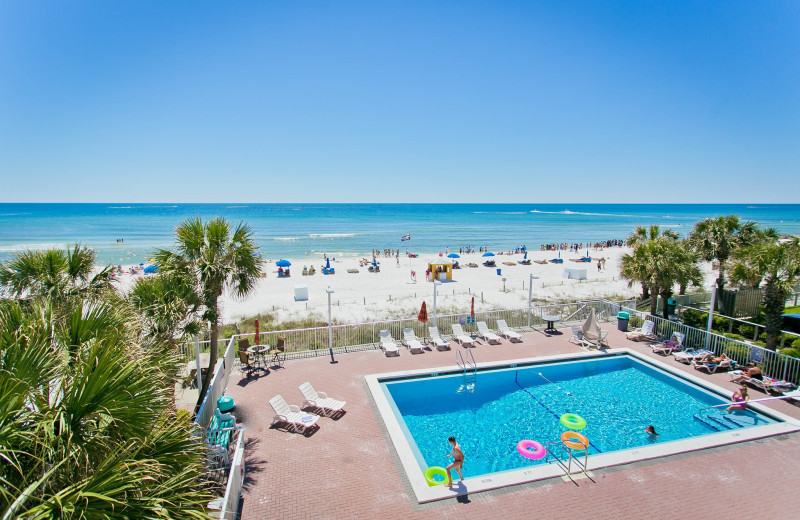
x: 348, y: 469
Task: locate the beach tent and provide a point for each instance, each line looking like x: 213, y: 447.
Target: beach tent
x: 445, y: 274
x: 575, y: 274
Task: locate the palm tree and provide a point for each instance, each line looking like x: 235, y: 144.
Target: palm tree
x: 211, y: 258
x: 717, y: 239
x: 86, y: 424
x: 777, y: 264
x: 55, y: 274
x: 167, y: 306
x: 641, y: 235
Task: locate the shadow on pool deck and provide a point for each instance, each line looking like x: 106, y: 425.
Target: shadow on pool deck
x: 347, y: 469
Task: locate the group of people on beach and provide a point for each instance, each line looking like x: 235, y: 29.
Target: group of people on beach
x: 575, y: 247
x: 386, y: 253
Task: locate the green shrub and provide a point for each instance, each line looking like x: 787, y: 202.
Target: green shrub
x: 635, y: 322
x: 694, y: 318
x: 793, y: 352
x: 796, y: 344
x: 719, y: 325
x: 760, y: 343
x: 763, y: 337
x: 747, y: 330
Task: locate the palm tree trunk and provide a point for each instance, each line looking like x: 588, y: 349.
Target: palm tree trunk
x: 654, y: 300
x: 774, y: 300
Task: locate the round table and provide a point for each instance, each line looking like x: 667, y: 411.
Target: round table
x: 550, y: 323
x: 258, y: 352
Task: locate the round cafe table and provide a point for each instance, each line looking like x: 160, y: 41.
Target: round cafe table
x: 551, y: 320
x: 258, y: 352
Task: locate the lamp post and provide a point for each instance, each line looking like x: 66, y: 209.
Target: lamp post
x: 435, y: 284
x: 330, y: 331
x: 530, y: 297
x: 711, y: 314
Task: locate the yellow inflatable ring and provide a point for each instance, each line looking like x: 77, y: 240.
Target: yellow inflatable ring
x: 575, y: 441
x: 433, y: 471
x: 573, y: 421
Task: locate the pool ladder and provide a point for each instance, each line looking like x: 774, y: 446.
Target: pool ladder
x: 467, y: 363
x: 566, y: 465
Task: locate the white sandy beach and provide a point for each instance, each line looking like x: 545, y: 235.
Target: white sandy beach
x: 390, y: 293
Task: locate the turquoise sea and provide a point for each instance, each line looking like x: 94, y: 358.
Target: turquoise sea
x: 306, y: 230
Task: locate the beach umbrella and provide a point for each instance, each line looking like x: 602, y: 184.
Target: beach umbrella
x: 488, y: 254
x: 257, y: 342
x: 423, y: 314
x: 453, y: 255
x: 283, y: 263
x: 151, y: 269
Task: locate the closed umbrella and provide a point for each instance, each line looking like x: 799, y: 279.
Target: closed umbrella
x: 472, y: 311
x: 283, y: 263
x: 327, y: 263
x: 257, y: 342
x: 423, y: 314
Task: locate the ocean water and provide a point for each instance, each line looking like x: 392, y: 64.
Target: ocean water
x: 296, y: 231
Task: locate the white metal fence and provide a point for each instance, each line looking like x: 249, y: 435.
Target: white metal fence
x: 233, y: 491
x: 773, y: 364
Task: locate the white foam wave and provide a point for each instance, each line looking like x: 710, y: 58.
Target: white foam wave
x: 120, y: 207
x: 568, y: 212
x: 286, y: 238
x: 331, y: 235
x: 235, y: 206
x: 498, y: 212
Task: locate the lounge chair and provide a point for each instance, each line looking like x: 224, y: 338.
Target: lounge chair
x: 412, y: 343
x: 218, y: 436
x: 592, y: 335
x: 437, y: 340
x: 769, y: 384
x: 485, y: 333
x: 711, y: 368
x: 673, y: 344
x: 506, y: 332
x: 577, y: 335
x: 460, y: 336
x: 292, y: 415
x: 388, y: 345
x: 320, y: 400
x: 687, y: 356
x: 645, y: 332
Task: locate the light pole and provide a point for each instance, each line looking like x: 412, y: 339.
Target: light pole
x: 435, y: 283
x: 711, y: 314
x: 530, y: 297
x: 330, y: 331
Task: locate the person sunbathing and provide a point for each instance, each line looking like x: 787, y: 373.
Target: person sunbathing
x: 751, y: 373
x: 709, y: 359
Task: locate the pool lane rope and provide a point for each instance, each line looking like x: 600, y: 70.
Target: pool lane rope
x: 558, y: 417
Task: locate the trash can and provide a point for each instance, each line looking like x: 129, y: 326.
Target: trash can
x: 622, y: 321
x: 671, y: 304
x: 498, y: 272
x: 225, y: 404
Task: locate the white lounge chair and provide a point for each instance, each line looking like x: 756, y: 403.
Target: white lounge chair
x: 687, y: 356
x: 711, y: 368
x: 460, y: 336
x: 577, y: 335
x: 299, y: 420
x: 643, y: 333
x: 673, y: 344
x: 437, y: 340
x: 320, y: 400
x: 388, y: 345
x: 412, y: 343
x: 488, y: 335
x: 506, y: 332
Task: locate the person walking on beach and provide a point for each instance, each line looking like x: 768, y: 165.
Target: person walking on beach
x: 458, y: 461
x: 598, y: 266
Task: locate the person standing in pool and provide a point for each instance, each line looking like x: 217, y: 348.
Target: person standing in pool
x: 651, y: 430
x: 458, y: 461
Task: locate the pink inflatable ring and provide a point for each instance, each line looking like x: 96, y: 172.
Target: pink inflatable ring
x: 531, y: 449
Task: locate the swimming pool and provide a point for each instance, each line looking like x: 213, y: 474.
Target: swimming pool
x: 618, y: 393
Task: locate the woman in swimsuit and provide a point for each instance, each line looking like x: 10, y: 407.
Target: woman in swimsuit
x: 458, y: 460
x: 739, y: 399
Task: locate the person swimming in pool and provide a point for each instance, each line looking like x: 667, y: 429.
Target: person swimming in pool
x: 458, y: 461
x: 651, y: 430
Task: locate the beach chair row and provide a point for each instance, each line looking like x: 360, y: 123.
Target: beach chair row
x: 416, y: 345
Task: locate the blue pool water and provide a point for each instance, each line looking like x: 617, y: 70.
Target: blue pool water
x: 490, y: 413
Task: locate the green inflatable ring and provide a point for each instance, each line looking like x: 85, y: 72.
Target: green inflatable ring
x: 573, y: 421
x: 431, y: 472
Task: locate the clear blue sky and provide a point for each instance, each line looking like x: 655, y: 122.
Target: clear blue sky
x: 461, y: 101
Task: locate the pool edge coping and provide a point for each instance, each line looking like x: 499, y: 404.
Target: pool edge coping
x: 425, y: 493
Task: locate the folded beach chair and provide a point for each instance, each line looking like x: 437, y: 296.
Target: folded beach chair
x: 437, y: 340
x: 485, y: 333
x: 592, y: 335
x: 577, y: 335
x: 711, y: 368
x: 673, y: 344
x: 645, y: 332
x: 460, y: 336
x: 687, y: 356
x: 412, y: 343
x: 506, y: 332
x: 388, y: 345
x: 320, y: 400
x: 299, y: 420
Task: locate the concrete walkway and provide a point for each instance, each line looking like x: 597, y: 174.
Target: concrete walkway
x: 348, y: 469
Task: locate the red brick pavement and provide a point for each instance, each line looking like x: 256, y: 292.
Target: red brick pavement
x: 345, y: 469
